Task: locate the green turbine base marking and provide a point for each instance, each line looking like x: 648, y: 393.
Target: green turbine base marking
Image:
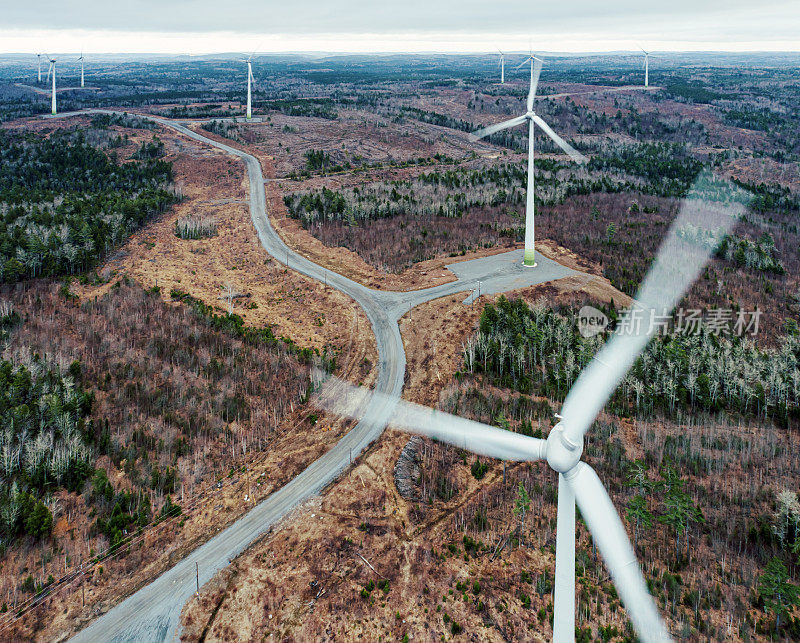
x: 529, y: 258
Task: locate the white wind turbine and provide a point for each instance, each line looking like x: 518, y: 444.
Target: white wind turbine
x: 647, y: 57
x: 52, y: 70
x: 675, y: 268
x: 81, y: 61
x: 39, y: 60
x: 250, y: 81
x: 530, y: 117
x: 502, y: 68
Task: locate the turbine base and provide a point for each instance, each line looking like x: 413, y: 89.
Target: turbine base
x: 529, y: 258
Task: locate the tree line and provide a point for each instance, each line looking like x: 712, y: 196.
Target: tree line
x: 665, y: 170
x: 65, y: 204
x: 536, y: 349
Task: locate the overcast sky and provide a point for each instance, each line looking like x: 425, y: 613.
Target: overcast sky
x: 205, y: 26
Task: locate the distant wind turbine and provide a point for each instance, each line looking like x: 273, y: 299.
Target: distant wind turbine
x: 502, y: 68
x: 39, y: 60
x: 530, y: 117
x: 81, y: 61
x: 250, y: 81
x: 647, y: 56
x: 52, y: 70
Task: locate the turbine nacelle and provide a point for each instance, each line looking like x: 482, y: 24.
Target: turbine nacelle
x: 560, y: 453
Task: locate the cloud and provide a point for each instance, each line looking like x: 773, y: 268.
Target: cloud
x: 203, y: 26
x: 372, y: 16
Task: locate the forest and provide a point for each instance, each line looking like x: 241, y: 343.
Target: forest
x: 315, y: 107
x: 156, y: 400
x: 449, y: 193
x: 65, y: 204
x: 223, y: 128
x: 47, y: 441
x: 540, y: 351
x: 709, y: 414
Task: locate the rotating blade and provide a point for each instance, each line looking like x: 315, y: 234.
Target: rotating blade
x: 709, y: 211
x: 344, y: 399
x: 609, y: 535
x: 491, y: 129
x: 535, y: 72
x: 574, y: 154
x: 564, y: 611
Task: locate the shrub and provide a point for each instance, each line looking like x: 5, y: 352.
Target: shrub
x: 28, y: 585
x: 479, y: 469
x: 195, y: 227
x: 39, y: 522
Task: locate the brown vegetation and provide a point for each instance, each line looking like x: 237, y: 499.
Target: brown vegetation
x: 151, y: 363
x: 151, y: 367
x: 457, y: 552
x: 583, y: 224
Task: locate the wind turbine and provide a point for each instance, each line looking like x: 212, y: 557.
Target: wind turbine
x: 250, y: 81
x: 502, y: 68
x: 81, y: 61
x: 52, y: 70
x: 647, y: 56
x: 530, y: 117
x: 674, y: 269
x: 39, y: 60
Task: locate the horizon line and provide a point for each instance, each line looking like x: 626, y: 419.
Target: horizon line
x: 97, y: 41
x: 455, y: 52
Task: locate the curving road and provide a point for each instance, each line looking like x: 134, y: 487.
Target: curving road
x: 153, y: 612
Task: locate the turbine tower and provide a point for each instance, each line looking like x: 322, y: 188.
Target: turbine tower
x: 81, y: 61
x: 647, y: 56
x: 674, y: 269
x: 502, y: 68
x: 39, y: 60
x: 250, y: 81
x: 530, y: 117
x: 52, y: 70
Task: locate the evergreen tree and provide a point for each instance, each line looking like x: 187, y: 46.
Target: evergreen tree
x: 521, y: 507
x: 639, y: 513
x: 779, y: 594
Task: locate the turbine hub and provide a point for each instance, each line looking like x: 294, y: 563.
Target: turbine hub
x: 561, y: 455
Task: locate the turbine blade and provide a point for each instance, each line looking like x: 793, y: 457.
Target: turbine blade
x: 491, y: 129
x: 564, y: 611
x: 709, y: 211
x: 537, y: 70
x: 609, y: 535
x: 257, y: 49
x: 573, y: 153
x: 524, y: 62
x: 346, y: 400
